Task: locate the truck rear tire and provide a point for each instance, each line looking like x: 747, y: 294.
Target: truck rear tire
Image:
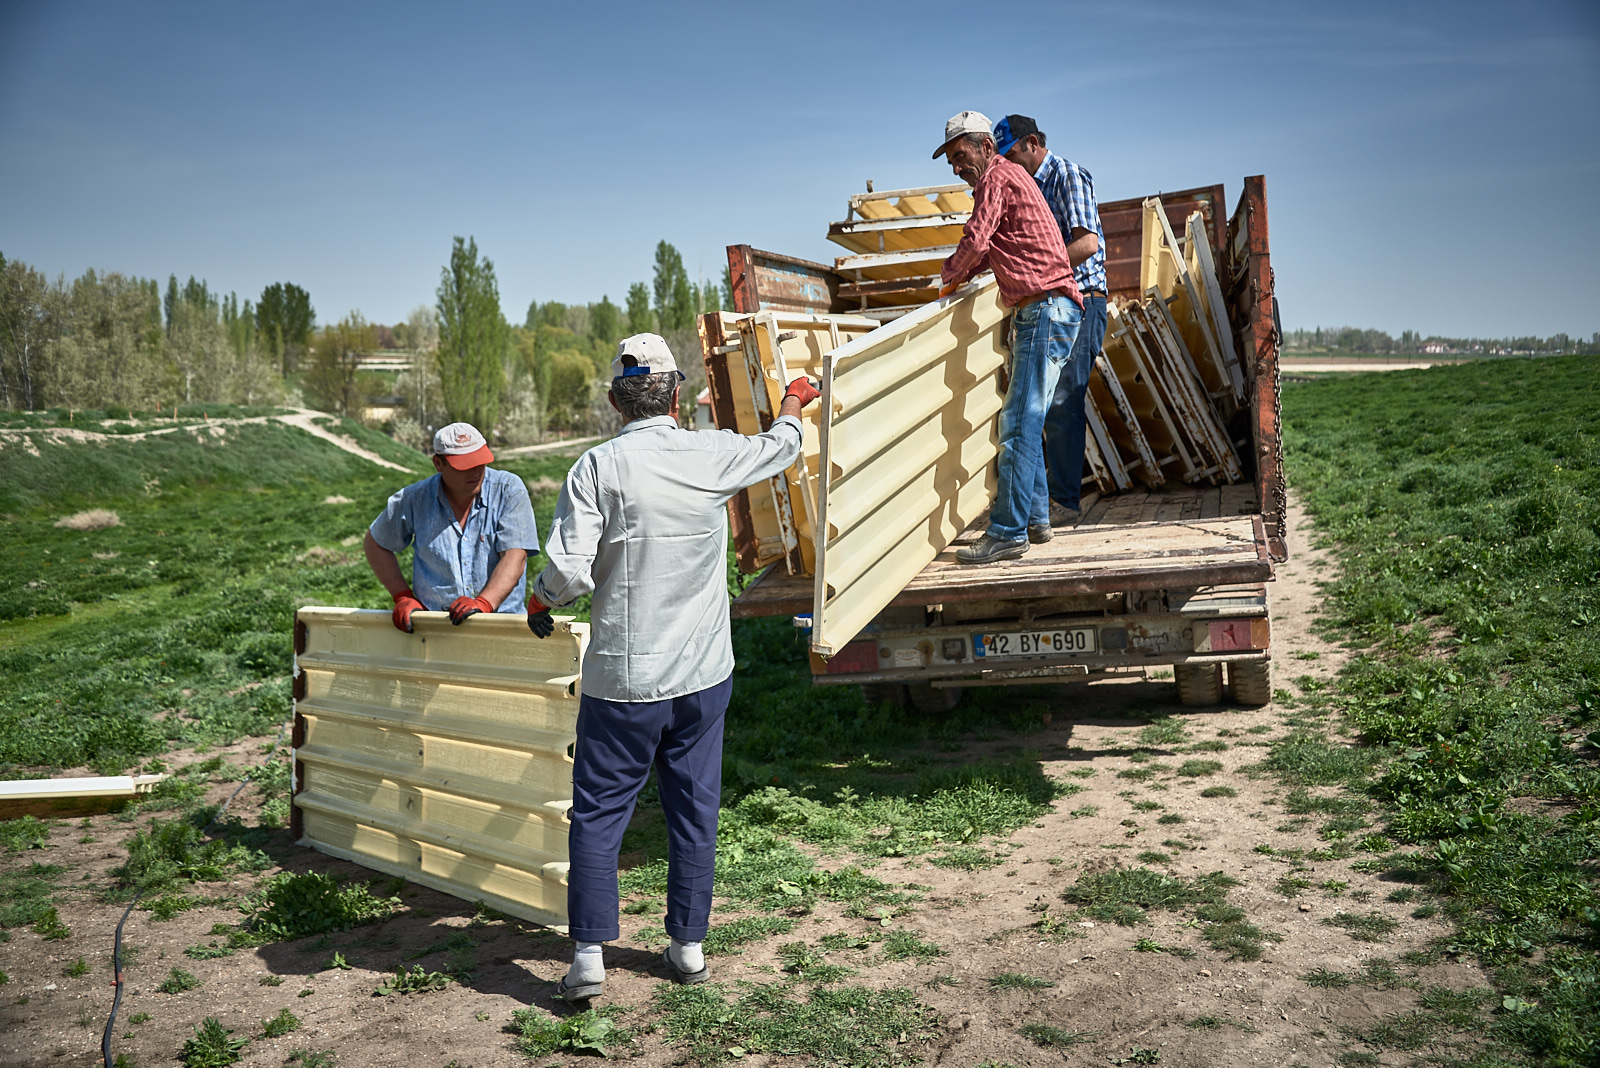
x: 892, y: 694
x: 1250, y: 682
x: 928, y: 698
x: 1199, y: 685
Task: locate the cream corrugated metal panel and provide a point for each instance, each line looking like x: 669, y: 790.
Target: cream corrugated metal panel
x: 1203, y: 269
x: 908, y: 446
x: 1168, y: 266
x: 443, y: 755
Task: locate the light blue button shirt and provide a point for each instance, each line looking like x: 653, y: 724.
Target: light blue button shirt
x: 641, y: 523
x: 456, y: 559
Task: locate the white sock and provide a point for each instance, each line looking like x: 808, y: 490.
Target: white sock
x: 688, y: 956
x: 587, y: 965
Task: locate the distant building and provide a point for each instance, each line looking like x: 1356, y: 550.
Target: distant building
x: 1434, y: 348
x: 702, y: 411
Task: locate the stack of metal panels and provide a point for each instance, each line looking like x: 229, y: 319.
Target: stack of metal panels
x: 1168, y: 379
x: 899, y: 239
x: 750, y: 359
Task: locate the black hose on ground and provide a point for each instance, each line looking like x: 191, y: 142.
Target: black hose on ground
x: 116, y: 946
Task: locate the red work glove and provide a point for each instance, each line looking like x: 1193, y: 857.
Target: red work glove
x: 802, y: 390
x: 539, y: 620
x: 463, y: 607
x: 405, y: 602
x: 949, y: 289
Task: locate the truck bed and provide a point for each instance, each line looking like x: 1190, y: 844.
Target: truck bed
x: 1176, y: 537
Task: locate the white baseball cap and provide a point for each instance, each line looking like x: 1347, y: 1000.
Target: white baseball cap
x: 643, y: 354
x: 461, y: 446
x: 967, y: 122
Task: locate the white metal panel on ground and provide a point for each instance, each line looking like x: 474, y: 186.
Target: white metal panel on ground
x: 442, y: 755
x: 908, y: 449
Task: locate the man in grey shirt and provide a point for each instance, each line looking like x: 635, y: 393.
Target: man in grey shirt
x: 641, y: 524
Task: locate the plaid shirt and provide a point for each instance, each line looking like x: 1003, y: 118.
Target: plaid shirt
x: 1069, y: 190
x: 1013, y: 234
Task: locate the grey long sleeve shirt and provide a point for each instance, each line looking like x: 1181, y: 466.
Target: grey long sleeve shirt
x: 641, y: 523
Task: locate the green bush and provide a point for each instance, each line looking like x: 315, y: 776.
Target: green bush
x: 295, y: 906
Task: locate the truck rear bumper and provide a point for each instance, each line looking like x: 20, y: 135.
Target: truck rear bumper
x: 1206, y: 626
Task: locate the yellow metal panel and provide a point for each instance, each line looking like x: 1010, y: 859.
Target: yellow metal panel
x: 908, y: 445
x: 441, y: 755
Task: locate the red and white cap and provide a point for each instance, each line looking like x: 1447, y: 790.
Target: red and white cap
x: 461, y: 446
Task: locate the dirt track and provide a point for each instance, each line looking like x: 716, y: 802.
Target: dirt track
x: 1265, y: 1013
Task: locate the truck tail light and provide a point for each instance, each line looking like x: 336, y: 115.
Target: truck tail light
x: 857, y: 656
x: 1232, y: 635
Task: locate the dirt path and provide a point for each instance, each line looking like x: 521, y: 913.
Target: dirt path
x: 1089, y: 978
x: 299, y: 418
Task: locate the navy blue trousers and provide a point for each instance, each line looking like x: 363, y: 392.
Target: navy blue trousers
x: 1066, y: 422
x: 618, y: 742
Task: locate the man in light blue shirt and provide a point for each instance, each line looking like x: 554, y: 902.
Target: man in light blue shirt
x: 641, y: 524
x: 473, y: 527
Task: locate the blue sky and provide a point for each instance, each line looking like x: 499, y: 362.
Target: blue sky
x: 1430, y: 166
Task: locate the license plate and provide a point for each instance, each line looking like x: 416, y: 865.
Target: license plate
x: 1033, y: 643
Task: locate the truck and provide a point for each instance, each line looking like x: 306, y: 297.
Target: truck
x: 1170, y: 577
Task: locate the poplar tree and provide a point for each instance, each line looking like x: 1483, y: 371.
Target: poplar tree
x: 473, y: 335
x: 605, y: 321
x: 284, y: 320
x: 640, y: 320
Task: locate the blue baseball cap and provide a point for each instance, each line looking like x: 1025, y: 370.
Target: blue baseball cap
x: 1011, y: 129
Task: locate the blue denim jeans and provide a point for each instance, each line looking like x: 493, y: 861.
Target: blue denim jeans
x: 1042, y: 334
x: 1065, y: 423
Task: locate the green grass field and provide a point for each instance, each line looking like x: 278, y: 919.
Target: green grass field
x: 1464, y: 507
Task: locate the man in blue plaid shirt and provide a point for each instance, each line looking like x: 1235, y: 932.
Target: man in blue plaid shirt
x: 1069, y: 190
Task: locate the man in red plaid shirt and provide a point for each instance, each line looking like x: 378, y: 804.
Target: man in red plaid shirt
x: 1013, y: 233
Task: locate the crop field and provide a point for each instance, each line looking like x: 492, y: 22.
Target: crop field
x: 1393, y: 863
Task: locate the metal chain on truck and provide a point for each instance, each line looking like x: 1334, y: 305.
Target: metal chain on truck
x: 1280, y: 484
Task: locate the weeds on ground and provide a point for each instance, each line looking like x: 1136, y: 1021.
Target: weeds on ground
x: 1372, y: 927
x: 592, y: 1031
x: 830, y: 1024
x: 728, y: 937
x: 1018, y: 981
x: 1227, y: 931
x: 1052, y: 1037
x: 177, y: 981
x: 1123, y: 895
x: 803, y: 962
x: 171, y: 852
x: 413, y: 980
x: 901, y: 944
x: 211, y: 1047
x: 280, y: 1025
x: 25, y: 832
x: 291, y: 906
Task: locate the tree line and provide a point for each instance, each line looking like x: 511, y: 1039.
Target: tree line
x: 109, y: 340
x: 1355, y: 339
